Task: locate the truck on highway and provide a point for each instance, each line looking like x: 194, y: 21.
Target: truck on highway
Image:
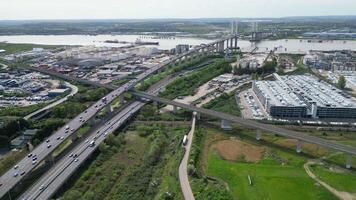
x: 185, y: 140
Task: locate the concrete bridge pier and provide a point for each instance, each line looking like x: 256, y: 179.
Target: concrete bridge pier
x: 175, y: 108
x: 258, y: 135
x: 231, y: 43
x: 226, y: 125
x: 348, y: 161
x: 197, y: 115
x: 235, y: 42
x: 217, y: 47
x: 222, y: 47
x: 299, y: 146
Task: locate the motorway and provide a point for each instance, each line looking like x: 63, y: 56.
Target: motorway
x: 74, y: 90
x: 13, y: 176
x: 183, y: 167
x: 43, y: 150
x: 253, y: 124
x: 53, y: 179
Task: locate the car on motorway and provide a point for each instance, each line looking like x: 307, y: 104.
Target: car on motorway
x: 47, y: 140
x: 86, y: 141
x: 71, y: 155
x: 42, y: 187
x: 67, y: 127
x: 34, y: 162
x: 22, y: 173
x: 76, y: 160
x: 58, y: 138
x: 49, y: 146
x: 29, y: 155
x: 16, y: 174
x: 92, y: 143
x: 16, y: 166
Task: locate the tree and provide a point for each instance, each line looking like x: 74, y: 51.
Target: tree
x: 341, y: 82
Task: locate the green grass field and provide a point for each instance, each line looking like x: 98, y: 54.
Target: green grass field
x: 269, y: 180
x: 343, y: 181
x: 278, y: 175
x: 13, y: 48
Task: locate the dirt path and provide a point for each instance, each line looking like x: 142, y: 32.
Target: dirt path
x: 340, y: 194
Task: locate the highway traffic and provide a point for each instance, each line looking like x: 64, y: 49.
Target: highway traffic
x: 51, y: 181
x: 13, y: 176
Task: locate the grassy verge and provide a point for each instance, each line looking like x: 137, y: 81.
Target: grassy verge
x: 342, y: 181
x: 174, y: 69
x: 225, y: 103
x: 186, y: 85
x: 140, y: 164
x: 276, y: 173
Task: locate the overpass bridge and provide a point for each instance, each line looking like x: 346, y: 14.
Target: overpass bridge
x: 53, y: 179
x: 227, y: 119
x: 44, y: 150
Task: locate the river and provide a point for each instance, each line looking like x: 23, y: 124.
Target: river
x: 281, y: 46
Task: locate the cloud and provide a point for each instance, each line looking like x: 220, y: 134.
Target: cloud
x: 101, y: 9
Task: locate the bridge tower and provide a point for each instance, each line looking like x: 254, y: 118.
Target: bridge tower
x: 256, y: 35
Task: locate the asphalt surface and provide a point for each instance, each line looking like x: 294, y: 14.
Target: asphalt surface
x: 253, y: 124
x: 183, y: 167
x: 8, y: 180
x: 42, y: 150
x: 24, y: 166
x: 53, y: 179
x: 74, y: 90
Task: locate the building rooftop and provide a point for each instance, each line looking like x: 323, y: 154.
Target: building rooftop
x: 313, y: 90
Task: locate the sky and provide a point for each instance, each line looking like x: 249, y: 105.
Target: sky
x: 141, y: 9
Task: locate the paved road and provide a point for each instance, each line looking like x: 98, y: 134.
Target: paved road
x: 183, y: 167
x: 10, y: 179
x: 53, y: 179
x: 63, y: 169
x: 254, y: 124
x: 74, y: 90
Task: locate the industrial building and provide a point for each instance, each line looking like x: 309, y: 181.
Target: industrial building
x: 303, y: 96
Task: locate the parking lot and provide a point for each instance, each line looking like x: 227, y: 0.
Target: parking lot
x: 251, y: 108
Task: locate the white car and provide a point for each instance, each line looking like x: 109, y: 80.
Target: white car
x: 42, y: 187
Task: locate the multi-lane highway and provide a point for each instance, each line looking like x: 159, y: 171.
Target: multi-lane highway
x: 253, y: 124
x: 49, y: 183
x: 43, y: 150
x: 15, y: 174
x: 53, y: 179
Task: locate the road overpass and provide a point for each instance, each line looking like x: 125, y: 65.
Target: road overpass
x: 227, y: 118
x: 43, y: 150
x: 53, y: 179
